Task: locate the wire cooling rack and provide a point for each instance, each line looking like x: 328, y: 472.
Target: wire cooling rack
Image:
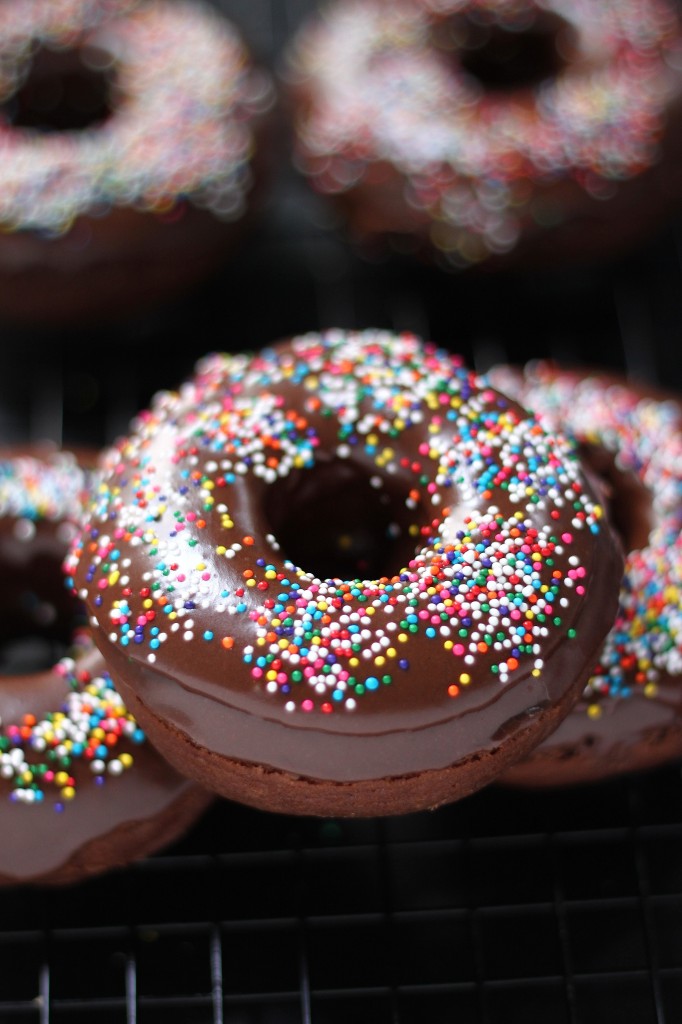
x: 507, y: 908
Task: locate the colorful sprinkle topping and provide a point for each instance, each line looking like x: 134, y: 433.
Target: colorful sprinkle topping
x: 39, y: 753
x: 51, y: 487
x: 645, y: 436
x: 176, y: 549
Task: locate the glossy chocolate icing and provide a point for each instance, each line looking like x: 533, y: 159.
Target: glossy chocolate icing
x: 112, y: 817
x: 181, y: 542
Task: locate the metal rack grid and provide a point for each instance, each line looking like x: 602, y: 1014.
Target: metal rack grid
x: 508, y: 908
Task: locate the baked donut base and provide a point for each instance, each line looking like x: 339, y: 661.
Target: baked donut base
x: 283, y: 792
x: 592, y: 759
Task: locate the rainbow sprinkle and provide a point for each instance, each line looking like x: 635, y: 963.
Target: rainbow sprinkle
x: 50, y: 487
x: 39, y: 753
x: 165, y: 557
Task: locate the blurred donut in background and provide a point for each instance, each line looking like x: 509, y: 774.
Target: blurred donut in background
x: 630, y: 714
x: 496, y: 132
x: 130, y: 145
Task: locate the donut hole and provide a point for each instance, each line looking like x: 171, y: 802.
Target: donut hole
x: 336, y: 522
x: 62, y: 90
x: 509, y: 58
x: 629, y: 502
x: 38, y: 615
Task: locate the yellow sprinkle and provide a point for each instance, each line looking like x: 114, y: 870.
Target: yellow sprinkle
x: 68, y: 793
x: 594, y: 711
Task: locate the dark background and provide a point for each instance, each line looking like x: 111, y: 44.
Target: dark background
x: 508, y: 908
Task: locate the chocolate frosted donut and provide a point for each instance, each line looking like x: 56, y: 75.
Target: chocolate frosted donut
x: 131, y: 137
x: 343, y: 576
x: 504, y: 131
x: 630, y: 714
x: 81, y: 791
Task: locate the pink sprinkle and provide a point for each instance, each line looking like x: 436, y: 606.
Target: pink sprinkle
x: 307, y: 705
x: 567, y: 538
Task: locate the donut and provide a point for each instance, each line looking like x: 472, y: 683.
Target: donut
x: 343, y: 577
x: 131, y: 136
x: 494, y: 132
x: 629, y: 717
x: 81, y: 790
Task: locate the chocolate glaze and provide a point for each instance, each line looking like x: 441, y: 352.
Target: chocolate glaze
x: 628, y: 717
x: 189, y: 687
x: 110, y: 820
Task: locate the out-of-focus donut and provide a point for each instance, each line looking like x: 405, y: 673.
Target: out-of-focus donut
x: 630, y: 715
x: 504, y: 131
x: 130, y: 138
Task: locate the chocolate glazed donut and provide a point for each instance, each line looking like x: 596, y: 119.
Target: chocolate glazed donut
x: 630, y: 714
x: 343, y: 576
x: 81, y: 791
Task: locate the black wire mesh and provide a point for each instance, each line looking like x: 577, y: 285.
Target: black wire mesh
x: 508, y: 908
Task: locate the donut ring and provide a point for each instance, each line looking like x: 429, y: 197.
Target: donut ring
x: 629, y: 716
x: 112, y: 216
x: 396, y: 119
x: 67, y: 743
x: 401, y: 682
